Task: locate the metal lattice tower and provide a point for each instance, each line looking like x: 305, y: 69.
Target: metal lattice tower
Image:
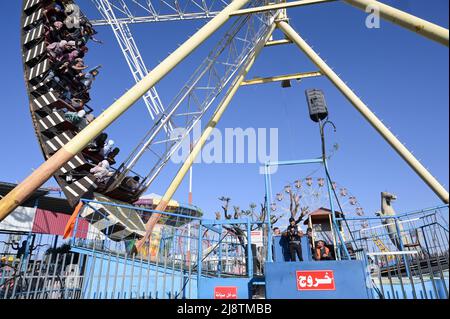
x: 132, y: 55
x: 145, y: 11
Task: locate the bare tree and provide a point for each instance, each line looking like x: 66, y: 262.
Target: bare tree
x: 240, y: 230
x: 294, y: 206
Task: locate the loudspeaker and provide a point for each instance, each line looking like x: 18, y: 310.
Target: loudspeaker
x: 316, y: 104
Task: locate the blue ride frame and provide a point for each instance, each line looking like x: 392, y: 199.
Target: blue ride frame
x: 268, y: 187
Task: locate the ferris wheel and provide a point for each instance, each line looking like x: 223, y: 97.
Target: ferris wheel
x: 311, y: 194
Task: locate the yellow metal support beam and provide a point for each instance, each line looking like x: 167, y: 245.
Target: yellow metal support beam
x: 409, y: 158
x: 278, y: 42
x: 223, y: 105
x: 405, y: 20
x: 22, y: 191
x: 279, y: 78
x: 278, y: 6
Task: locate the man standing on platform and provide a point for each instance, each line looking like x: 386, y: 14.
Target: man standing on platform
x: 294, y: 239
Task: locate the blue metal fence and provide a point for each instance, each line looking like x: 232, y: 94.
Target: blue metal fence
x: 188, y: 257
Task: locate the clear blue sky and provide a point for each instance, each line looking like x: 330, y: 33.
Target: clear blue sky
x: 401, y: 76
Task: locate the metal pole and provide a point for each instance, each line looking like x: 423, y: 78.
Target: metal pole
x: 202, y: 140
x: 268, y: 221
x: 21, y: 192
x: 405, y: 20
x: 190, y: 184
x: 402, y: 247
x: 249, y: 250
x: 278, y: 6
x: 429, y: 179
x: 219, y: 263
x: 199, y: 258
x: 279, y: 78
x: 28, y: 249
x: 333, y: 218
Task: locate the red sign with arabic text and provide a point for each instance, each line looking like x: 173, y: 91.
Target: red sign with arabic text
x: 315, y: 280
x: 225, y: 292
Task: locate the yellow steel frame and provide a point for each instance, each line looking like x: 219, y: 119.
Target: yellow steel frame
x: 279, y: 78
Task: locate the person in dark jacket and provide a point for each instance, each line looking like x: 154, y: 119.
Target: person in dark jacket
x: 294, y: 235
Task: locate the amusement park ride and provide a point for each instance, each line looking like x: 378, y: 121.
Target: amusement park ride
x: 69, y: 149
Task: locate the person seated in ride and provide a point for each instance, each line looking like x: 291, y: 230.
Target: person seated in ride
x: 76, y: 73
x: 54, y: 13
x: 80, y: 119
x: 64, y: 93
x: 74, y: 34
x: 72, y: 55
x: 98, y: 144
x: 131, y: 183
x: 83, y: 51
x: 60, y: 73
x: 78, y: 26
x: 56, y: 74
x: 76, y: 118
x: 55, y: 32
x: 112, y: 155
x: 322, y: 251
x: 88, y: 78
x: 57, y: 49
x: 87, y: 32
x: 80, y: 94
x: 102, y: 171
x: 108, y: 148
x: 70, y: 72
x: 78, y: 66
x: 73, y: 16
x: 77, y: 104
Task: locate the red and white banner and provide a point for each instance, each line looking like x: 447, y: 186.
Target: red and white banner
x: 225, y: 292
x: 21, y: 220
x: 315, y: 280
x: 257, y: 238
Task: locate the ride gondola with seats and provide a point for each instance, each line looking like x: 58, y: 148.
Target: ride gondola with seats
x: 53, y: 48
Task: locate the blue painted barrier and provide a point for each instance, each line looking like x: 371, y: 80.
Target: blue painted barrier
x: 119, y: 278
x: 281, y: 249
x: 425, y: 290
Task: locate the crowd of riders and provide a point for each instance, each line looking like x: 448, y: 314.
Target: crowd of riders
x: 67, y: 33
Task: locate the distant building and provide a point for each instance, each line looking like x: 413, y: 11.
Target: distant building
x: 44, y: 216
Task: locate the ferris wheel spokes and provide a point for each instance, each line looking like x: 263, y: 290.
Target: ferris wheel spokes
x: 146, y: 11
x: 312, y: 195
